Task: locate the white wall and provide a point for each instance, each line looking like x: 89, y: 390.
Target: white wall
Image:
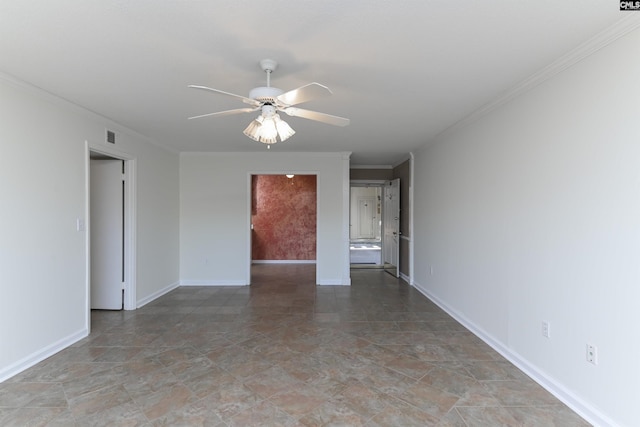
x: 214, y: 213
x: 43, y: 290
x: 533, y: 213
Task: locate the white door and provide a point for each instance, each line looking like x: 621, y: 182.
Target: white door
x: 106, y: 222
x: 366, y: 218
x: 391, y: 226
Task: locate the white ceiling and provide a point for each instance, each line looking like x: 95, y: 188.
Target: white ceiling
x: 403, y: 71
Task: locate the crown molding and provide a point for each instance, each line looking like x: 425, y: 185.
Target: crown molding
x: 370, y: 167
x: 621, y: 28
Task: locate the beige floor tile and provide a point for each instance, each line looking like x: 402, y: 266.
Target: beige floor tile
x: 33, y: 395
x: 552, y: 416
x: 333, y: 413
x: 99, y: 401
x: 265, y: 414
x: 126, y: 415
x: 519, y: 393
x: 400, y: 413
x: 487, y: 416
x: 23, y: 417
x: 281, y: 352
x: 299, y: 400
x: 164, y: 401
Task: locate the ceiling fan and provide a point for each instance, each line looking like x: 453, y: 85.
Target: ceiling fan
x: 268, y: 126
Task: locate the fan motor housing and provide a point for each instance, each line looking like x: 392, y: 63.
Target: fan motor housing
x: 265, y: 94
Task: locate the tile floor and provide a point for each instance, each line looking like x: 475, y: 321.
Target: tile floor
x: 281, y: 352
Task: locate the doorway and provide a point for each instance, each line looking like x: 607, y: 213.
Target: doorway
x: 125, y: 259
x: 283, y: 219
x: 106, y: 228
x: 374, y: 225
x: 365, y: 225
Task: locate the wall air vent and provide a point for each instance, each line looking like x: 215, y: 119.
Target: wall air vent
x: 111, y: 137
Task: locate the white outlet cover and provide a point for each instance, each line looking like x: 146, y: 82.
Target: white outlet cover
x: 546, y: 329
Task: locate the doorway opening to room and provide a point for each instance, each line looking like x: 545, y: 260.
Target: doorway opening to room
x: 374, y: 214
x: 283, y: 224
x: 365, y: 226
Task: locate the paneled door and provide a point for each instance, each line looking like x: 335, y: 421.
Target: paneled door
x: 366, y: 218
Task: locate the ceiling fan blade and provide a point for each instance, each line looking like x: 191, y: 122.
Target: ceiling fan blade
x: 227, y: 112
x: 244, y: 98
x: 303, y: 94
x: 314, y: 115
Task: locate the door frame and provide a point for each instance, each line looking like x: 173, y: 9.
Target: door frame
x: 130, y: 167
x: 378, y: 183
x: 250, y: 174
x: 386, y: 218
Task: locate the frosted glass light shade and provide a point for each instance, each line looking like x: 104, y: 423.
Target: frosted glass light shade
x: 252, y: 131
x: 267, y: 130
x: 284, y: 130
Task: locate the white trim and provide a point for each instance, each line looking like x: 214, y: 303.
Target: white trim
x: 346, y: 221
x: 283, y: 261
x: 213, y: 283
x: 599, y: 41
x: 130, y: 230
x: 87, y: 240
x: 290, y: 154
x: 37, y: 357
x: 336, y: 282
x: 577, y: 404
x: 405, y: 277
x: 371, y: 166
x: 249, y: 241
x: 157, y: 294
x: 367, y: 182
x: 411, y: 217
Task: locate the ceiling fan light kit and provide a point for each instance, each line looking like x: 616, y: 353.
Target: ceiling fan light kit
x: 268, y: 126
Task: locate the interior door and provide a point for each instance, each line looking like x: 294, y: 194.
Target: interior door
x: 366, y: 218
x: 106, y: 222
x: 391, y: 227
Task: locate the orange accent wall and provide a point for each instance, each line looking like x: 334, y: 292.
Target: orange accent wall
x: 283, y: 214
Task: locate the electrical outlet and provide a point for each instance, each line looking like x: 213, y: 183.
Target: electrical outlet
x: 592, y: 354
x: 546, y: 329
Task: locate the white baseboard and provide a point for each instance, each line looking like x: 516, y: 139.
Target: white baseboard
x: 40, y: 355
x: 213, y: 283
x: 405, y: 278
x: 283, y: 261
x: 577, y: 404
x: 146, y: 300
x: 337, y: 282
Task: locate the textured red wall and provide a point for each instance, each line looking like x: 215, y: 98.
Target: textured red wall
x: 283, y: 214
